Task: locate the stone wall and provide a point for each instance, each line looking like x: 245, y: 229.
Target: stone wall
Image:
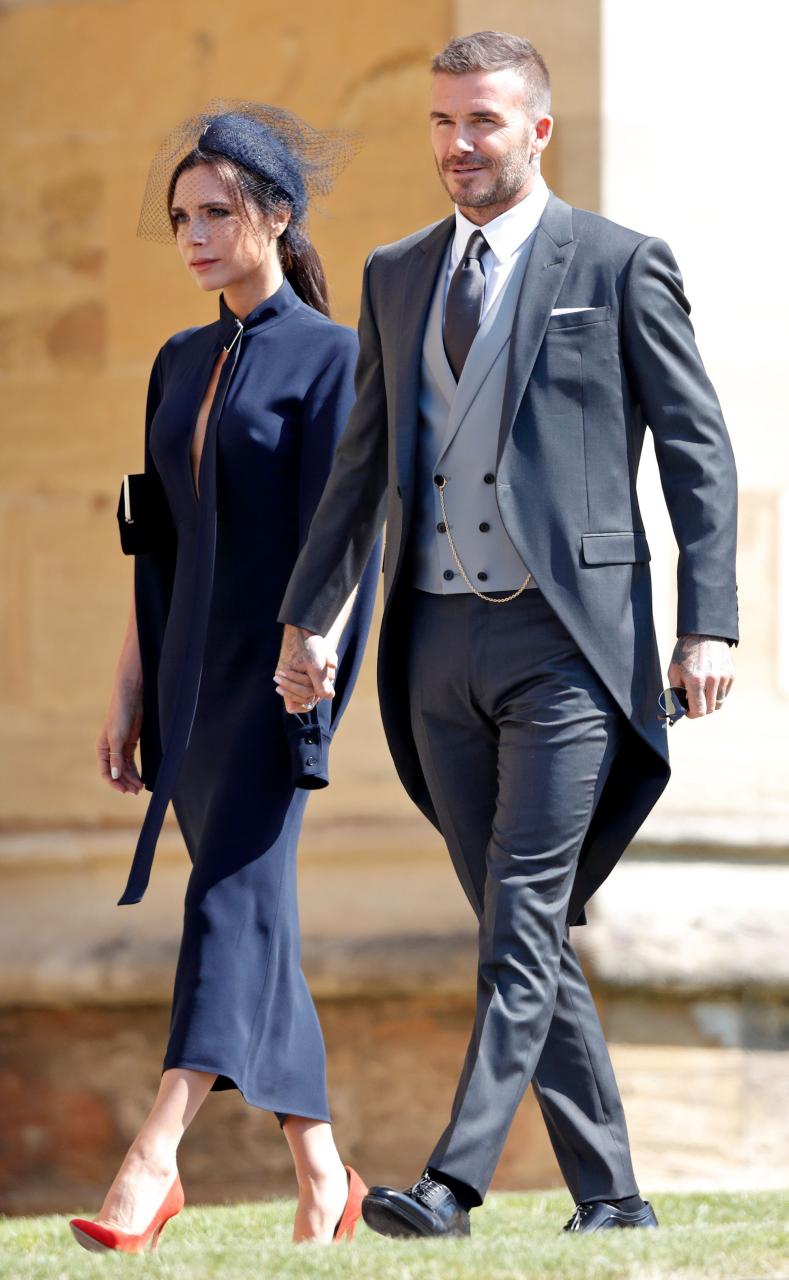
x: 87, y: 306
x: 689, y: 971
x: 76, y: 1083
x: 688, y: 964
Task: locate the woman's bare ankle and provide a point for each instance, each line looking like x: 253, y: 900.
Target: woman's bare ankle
x: 316, y: 1184
x: 157, y: 1158
x: 318, y: 1211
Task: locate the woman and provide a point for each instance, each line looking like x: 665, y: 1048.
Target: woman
x: 243, y: 416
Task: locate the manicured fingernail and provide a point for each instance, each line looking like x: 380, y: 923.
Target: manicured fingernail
x: 115, y: 772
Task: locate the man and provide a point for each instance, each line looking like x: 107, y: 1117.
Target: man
x: 511, y: 357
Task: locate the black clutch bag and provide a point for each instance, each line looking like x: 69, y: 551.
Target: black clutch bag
x: 143, y: 515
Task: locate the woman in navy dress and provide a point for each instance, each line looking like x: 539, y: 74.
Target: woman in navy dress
x: 243, y: 417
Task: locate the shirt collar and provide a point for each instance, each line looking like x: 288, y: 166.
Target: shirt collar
x: 507, y: 233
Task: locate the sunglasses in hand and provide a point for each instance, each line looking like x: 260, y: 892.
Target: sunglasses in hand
x: 672, y: 705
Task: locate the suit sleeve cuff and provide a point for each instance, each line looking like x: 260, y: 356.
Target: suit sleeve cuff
x: 308, y: 746
x: 710, y: 635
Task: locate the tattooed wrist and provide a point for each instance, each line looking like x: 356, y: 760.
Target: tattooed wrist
x: 684, y: 646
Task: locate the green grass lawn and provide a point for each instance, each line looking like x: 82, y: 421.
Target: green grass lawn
x: 515, y: 1237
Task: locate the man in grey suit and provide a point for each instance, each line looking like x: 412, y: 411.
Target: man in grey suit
x: 511, y: 358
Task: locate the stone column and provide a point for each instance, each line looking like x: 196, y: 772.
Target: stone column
x: 690, y: 115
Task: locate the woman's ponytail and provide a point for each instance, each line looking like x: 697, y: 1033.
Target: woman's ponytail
x: 303, y: 269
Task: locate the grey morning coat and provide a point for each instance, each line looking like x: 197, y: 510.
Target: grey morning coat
x: 580, y: 390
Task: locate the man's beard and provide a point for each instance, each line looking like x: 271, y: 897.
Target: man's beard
x: 506, y: 181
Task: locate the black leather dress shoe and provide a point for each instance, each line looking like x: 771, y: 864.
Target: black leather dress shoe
x: 426, y: 1209
x: 596, y: 1215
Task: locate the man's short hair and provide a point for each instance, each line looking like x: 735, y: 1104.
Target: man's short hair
x: 496, y: 51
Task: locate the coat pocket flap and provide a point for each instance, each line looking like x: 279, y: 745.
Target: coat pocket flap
x: 614, y: 548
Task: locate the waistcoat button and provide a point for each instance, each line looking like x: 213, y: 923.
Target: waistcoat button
x: 484, y: 527
x: 439, y: 480
x: 448, y: 575
x: 441, y: 527
x: 483, y: 577
x: 489, y: 478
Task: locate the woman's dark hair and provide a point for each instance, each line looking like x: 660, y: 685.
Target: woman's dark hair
x: 301, y: 264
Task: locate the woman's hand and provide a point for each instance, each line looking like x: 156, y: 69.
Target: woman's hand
x: 118, y: 738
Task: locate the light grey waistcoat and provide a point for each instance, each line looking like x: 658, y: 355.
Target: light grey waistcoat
x: 458, y: 436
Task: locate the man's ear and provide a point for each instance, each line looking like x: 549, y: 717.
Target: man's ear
x: 542, y: 131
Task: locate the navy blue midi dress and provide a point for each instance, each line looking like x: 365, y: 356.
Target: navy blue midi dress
x: 216, y: 739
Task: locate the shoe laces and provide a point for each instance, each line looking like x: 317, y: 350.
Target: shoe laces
x: 428, y: 1191
x: 582, y: 1212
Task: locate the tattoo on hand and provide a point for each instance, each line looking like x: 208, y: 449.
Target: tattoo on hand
x: 696, y: 649
x: 297, y: 647
x: 684, y: 649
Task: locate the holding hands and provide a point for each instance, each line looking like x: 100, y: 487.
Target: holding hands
x: 306, y: 669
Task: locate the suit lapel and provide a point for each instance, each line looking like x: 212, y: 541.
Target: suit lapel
x: 554, y: 249
x: 424, y: 261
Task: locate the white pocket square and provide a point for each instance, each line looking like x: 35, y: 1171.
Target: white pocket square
x: 566, y: 311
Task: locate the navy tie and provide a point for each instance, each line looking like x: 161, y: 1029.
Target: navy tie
x: 464, y: 304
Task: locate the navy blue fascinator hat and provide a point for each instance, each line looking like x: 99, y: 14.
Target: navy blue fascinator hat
x: 285, y: 161
x: 260, y: 150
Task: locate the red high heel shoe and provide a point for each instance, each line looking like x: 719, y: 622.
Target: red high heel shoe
x: 97, y: 1238
x: 353, y: 1207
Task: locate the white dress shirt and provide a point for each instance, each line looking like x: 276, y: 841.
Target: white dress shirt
x: 507, y: 237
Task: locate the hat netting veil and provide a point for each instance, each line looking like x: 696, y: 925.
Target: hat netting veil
x: 285, y: 159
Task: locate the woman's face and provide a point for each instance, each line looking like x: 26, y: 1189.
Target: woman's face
x: 220, y: 244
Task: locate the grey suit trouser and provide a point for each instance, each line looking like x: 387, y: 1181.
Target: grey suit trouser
x: 516, y: 735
